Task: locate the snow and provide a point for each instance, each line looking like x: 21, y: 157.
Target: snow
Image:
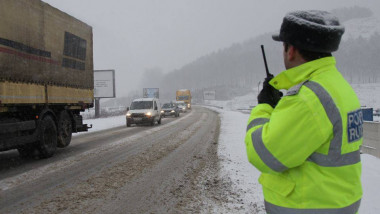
x: 369, y: 94
x: 312, y: 18
x: 104, y: 123
x: 371, y: 184
x: 245, y: 102
x: 235, y: 164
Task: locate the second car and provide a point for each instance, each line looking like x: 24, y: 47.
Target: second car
x: 170, y: 109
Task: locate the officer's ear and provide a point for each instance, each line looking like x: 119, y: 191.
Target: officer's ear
x: 291, y: 52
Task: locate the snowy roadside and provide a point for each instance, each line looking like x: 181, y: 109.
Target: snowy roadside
x: 234, y: 163
x: 245, y: 177
x: 103, y: 123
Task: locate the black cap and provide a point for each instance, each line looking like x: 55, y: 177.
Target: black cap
x: 313, y: 30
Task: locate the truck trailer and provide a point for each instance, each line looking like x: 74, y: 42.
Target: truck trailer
x: 46, y: 77
x: 184, y: 95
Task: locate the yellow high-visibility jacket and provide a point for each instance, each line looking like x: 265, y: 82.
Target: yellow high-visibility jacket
x: 308, y: 146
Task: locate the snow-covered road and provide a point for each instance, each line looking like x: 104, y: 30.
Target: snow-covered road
x: 142, y: 169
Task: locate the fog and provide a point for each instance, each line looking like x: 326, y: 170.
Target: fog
x: 134, y: 36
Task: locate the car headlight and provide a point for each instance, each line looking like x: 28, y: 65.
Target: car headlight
x: 148, y: 114
x: 173, y: 111
x: 184, y: 108
x: 128, y: 114
x: 162, y: 111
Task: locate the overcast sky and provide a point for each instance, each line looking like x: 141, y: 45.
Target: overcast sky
x: 133, y: 35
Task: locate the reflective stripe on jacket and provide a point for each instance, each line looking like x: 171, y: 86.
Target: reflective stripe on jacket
x: 307, y: 148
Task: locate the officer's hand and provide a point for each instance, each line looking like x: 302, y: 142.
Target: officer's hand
x: 269, y: 94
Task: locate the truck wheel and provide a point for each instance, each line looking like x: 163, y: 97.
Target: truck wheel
x: 152, y: 123
x: 128, y: 124
x: 47, y: 137
x: 65, y: 129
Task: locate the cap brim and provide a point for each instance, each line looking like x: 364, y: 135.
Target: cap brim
x: 276, y: 37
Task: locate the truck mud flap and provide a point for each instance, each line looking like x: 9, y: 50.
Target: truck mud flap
x: 79, y: 126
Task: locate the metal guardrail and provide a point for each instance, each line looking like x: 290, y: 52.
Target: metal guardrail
x: 244, y: 109
x: 371, y: 141
x: 368, y: 147
x: 219, y: 107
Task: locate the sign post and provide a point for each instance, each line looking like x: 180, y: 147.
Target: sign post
x: 97, y: 107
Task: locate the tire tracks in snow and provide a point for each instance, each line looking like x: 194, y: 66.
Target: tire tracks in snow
x: 85, y: 192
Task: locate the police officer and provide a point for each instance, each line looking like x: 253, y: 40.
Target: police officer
x: 306, y: 143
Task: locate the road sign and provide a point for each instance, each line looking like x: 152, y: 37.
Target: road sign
x: 104, y: 84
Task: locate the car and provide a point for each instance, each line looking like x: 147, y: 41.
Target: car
x: 170, y: 109
x: 144, y: 111
x: 182, y: 108
x: 181, y: 105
